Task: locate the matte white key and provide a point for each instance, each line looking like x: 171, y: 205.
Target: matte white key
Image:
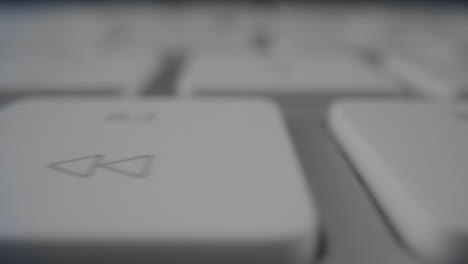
x: 438, y: 81
x: 213, y: 181
x: 109, y: 73
x: 48, y: 31
x: 144, y: 30
x: 301, y: 31
x: 318, y: 74
x: 436, y: 68
x: 369, y: 27
x: 189, y: 29
x: 412, y: 156
x: 77, y: 28
x: 64, y: 50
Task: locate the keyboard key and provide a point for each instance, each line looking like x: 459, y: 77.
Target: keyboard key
x: 369, y: 28
x: 318, y: 74
x: 45, y: 31
x: 412, y: 156
x: 144, y: 30
x: 71, y: 73
x: 162, y: 181
x: 434, y: 67
x: 191, y: 30
x: 430, y: 80
x: 299, y: 31
x: 65, y: 50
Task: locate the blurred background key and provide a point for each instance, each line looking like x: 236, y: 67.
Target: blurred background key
x: 307, y: 75
x: 433, y: 64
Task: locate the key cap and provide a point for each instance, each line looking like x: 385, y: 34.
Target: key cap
x: 412, y: 157
x: 65, y: 51
x: 317, y: 74
x: 193, y: 30
x: 159, y: 181
x: 40, y: 31
x: 75, y: 28
x: 434, y: 67
x: 370, y: 28
x: 65, y: 73
x: 437, y: 81
x: 144, y: 29
x: 299, y: 31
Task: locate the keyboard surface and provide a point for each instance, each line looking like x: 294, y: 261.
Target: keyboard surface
x: 302, y: 57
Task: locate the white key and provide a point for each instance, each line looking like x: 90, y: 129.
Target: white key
x: 201, y: 28
x: 437, y: 68
x: 213, y: 181
x: 63, y: 50
x: 144, y: 30
x: 436, y: 81
x: 303, y: 30
x: 110, y: 73
x: 150, y: 30
x: 369, y: 27
x: 412, y: 156
x: 80, y: 29
x: 46, y: 31
x: 318, y: 74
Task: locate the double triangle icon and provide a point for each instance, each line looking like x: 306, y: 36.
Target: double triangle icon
x: 85, y: 167
x: 134, y: 167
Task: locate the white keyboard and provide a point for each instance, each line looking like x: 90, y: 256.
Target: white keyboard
x: 233, y: 133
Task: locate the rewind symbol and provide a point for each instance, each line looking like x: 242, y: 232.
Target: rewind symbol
x: 85, y: 167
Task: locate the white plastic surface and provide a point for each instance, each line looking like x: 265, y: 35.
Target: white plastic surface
x: 412, y: 155
x: 201, y: 176
x: 88, y: 72
x: 315, y: 74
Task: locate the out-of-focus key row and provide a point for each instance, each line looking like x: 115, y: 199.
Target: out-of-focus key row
x: 123, y: 49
